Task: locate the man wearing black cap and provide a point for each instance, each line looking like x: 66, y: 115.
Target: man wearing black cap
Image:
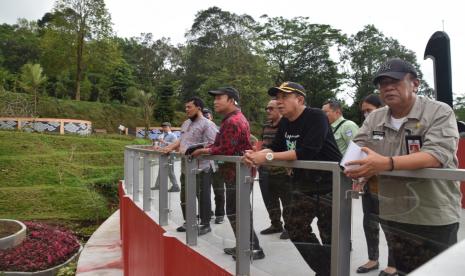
x: 304, y: 133
x: 233, y: 139
x: 419, y: 216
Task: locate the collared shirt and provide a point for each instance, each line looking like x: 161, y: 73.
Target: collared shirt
x: 200, y: 131
x: 344, y: 134
x: 233, y: 138
x: 167, y: 139
x: 268, y: 133
x: 412, y: 200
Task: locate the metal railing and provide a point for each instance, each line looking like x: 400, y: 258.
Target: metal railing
x: 137, y: 157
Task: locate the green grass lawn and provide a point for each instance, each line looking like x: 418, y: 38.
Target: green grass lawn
x: 67, y: 180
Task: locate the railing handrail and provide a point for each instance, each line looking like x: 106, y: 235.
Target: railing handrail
x: 428, y: 173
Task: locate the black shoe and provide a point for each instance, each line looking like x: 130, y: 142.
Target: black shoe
x: 219, y: 220
x: 204, y: 229
x: 181, y: 228
x: 257, y: 254
x: 384, y: 273
x: 284, y: 235
x: 230, y: 250
x: 272, y: 230
x: 174, y: 189
x: 362, y: 269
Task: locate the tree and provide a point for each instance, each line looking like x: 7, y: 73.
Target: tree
x: 19, y: 44
x: 153, y: 61
x: 90, y: 19
x: 147, y: 102
x: 165, y: 107
x: 299, y: 51
x: 219, y: 52
x: 364, y: 53
x: 31, y: 79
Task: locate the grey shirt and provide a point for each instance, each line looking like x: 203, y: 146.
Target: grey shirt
x: 414, y: 200
x: 199, y: 131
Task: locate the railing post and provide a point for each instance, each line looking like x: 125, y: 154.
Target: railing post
x: 341, y: 225
x: 136, y: 178
x: 243, y: 213
x: 191, y: 204
x: 128, y: 182
x: 146, y: 200
x: 163, y: 167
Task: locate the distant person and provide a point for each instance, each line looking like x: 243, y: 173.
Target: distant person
x: 274, y: 183
x: 344, y: 130
x: 167, y: 137
x: 196, y: 130
x: 420, y: 217
x: 217, y: 182
x: 233, y: 139
x: 304, y: 133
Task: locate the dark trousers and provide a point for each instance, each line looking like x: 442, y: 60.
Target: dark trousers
x: 370, y: 206
x: 413, y: 245
x: 274, y: 187
x: 303, y: 208
x: 203, y: 189
x: 218, y: 190
x: 231, y: 212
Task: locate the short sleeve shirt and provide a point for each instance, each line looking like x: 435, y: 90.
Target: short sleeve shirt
x: 200, y: 131
x: 345, y: 133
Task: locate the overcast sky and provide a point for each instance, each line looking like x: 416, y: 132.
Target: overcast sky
x: 411, y: 22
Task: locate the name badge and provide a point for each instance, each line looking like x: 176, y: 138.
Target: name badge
x: 413, y: 143
x: 378, y: 135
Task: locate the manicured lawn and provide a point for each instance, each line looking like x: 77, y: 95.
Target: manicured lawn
x: 66, y: 180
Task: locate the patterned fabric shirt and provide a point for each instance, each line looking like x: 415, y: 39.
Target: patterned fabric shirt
x: 232, y: 139
x: 200, y: 131
x: 268, y: 134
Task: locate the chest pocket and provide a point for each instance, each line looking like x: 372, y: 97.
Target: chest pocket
x: 388, y: 145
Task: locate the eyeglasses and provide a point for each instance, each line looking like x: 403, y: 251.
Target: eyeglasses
x: 269, y: 108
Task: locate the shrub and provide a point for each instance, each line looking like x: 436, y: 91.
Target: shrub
x: 44, y: 247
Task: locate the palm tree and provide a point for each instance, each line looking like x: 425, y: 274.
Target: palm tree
x: 31, y: 79
x: 147, y: 102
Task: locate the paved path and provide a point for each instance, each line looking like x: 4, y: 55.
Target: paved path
x: 281, y: 256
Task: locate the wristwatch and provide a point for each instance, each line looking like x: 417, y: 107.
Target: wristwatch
x: 269, y: 156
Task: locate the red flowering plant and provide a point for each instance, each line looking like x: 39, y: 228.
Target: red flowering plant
x: 44, y: 247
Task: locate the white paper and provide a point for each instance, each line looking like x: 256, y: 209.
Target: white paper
x: 353, y: 152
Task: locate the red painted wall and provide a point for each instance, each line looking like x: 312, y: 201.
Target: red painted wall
x: 147, y: 252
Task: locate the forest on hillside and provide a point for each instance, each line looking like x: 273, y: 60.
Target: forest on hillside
x: 72, y: 52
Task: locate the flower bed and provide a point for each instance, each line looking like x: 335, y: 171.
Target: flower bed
x: 44, y: 247
x: 12, y: 233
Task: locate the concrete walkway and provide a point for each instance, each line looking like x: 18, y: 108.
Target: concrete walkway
x: 102, y: 254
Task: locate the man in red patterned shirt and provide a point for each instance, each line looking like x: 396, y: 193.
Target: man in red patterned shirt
x: 233, y: 139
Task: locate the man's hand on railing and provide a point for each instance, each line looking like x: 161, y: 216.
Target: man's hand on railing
x: 201, y: 151
x: 254, y: 158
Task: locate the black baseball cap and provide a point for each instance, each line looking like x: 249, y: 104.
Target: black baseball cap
x: 395, y: 68
x: 206, y: 111
x: 166, y: 124
x: 230, y: 91
x: 287, y: 87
